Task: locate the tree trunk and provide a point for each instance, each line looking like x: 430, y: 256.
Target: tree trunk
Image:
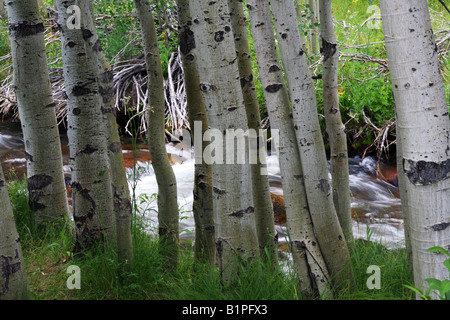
x: 13, y: 282
x: 205, y: 234
x: 335, y: 127
x: 313, y: 38
x: 423, y: 130
x: 220, y: 86
x: 308, y: 261
x: 48, y: 198
x: 264, y: 215
x: 120, y: 189
x: 311, y: 145
x: 91, y: 177
x: 167, y: 186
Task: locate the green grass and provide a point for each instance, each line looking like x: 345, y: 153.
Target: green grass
x: 48, y: 255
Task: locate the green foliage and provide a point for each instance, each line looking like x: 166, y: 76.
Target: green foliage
x: 440, y: 287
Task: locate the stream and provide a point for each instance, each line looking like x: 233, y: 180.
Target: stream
x: 376, y: 205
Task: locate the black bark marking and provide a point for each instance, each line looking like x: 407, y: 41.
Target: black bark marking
x: 274, y: 68
x: 240, y: 213
x: 426, y: 173
x: 50, y: 105
x: 218, y: 36
x: 323, y: 185
x: 80, y: 91
x: 2, y: 183
x: 23, y: 29
x: 219, y: 191
x: 28, y: 156
x: 8, y: 270
x: 274, y: 87
x: 187, y: 41
x: 86, y: 33
x: 328, y: 49
x: 115, y: 147
x: 88, y: 149
x: 40, y: 181
x: 441, y: 226
x: 76, y: 111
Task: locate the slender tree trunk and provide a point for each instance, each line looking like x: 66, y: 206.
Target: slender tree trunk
x: 264, y: 215
x: 311, y: 146
x: 167, y: 186
x: 308, y: 261
x: 335, y: 127
x: 120, y: 189
x: 203, y: 199
x: 13, y: 280
x: 313, y: 38
x: 220, y: 86
x: 48, y: 198
x: 91, y: 177
x: 423, y: 130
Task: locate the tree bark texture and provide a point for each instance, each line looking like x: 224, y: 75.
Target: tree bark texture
x: 335, y: 128
x: 305, y: 248
x: 120, y: 189
x: 262, y: 200
x: 203, y: 212
x: 91, y: 176
x: 423, y: 130
x: 168, y: 216
x: 13, y: 280
x: 219, y: 75
x: 311, y: 145
x: 47, y: 190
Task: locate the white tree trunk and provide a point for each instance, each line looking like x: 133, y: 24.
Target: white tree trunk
x: 335, y: 127
x: 310, y: 143
x: 13, y: 281
x: 168, y: 216
x: 304, y: 246
x: 220, y: 85
x: 202, y: 207
x: 91, y: 177
x: 423, y: 129
x: 120, y: 189
x: 48, y: 198
x: 264, y: 216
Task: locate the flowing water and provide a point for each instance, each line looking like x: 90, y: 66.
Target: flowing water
x: 376, y: 206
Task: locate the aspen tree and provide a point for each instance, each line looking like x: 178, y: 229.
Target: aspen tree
x: 120, y: 189
x: 47, y: 190
x: 167, y: 186
x: 264, y: 215
x: 311, y: 145
x: 219, y: 75
x: 308, y: 260
x: 13, y: 280
x: 91, y: 177
x: 423, y: 132
x: 203, y: 199
x: 335, y: 128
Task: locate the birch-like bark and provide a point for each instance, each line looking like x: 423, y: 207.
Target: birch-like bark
x: 305, y: 248
x: 168, y: 215
x: 48, y: 197
x: 13, y: 279
x: 313, y: 38
x: 264, y: 216
x: 423, y: 129
x: 120, y: 189
x: 333, y: 120
x: 219, y: 75
x: 203, y: 212
x: 91, y: 177
x: 310, y: 144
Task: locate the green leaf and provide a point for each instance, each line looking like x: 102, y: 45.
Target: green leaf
x: 439, y: 249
